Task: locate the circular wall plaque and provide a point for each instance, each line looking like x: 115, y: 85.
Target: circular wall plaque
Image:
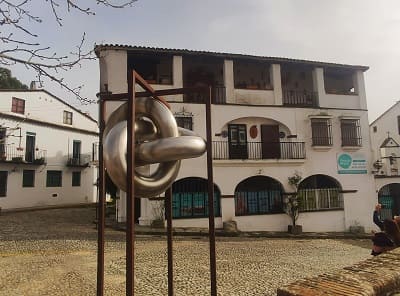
x: 253, y: 132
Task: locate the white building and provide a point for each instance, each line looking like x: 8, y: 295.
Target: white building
x: 385, y: 140
x: 46, y: 151
x: 271, y: 117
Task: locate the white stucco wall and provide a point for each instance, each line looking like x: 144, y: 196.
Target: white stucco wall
x: 359, y: 196
x: 42, y: 118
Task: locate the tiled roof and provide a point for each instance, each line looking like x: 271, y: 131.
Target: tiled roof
x: 144, y: 49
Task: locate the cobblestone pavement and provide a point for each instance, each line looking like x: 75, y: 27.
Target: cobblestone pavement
x: 53, y: 252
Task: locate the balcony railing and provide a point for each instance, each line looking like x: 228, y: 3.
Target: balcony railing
x: 13, y: 154
x: 218, y: 96
x: 259, y: 150
x: 299, y: 98
x: 82, y: 160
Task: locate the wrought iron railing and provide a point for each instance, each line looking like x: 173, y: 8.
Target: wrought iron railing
x: 218, y: 96
x: 14, y: 154
x: 320, y: 199
x: 259, y: 150
x: 82, y: 160
x: 301, y: 98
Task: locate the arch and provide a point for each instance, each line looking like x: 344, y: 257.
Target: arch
x: 389, y: 197
x: 190, y: 198
x: 258, y: 195
x: 320, y: 192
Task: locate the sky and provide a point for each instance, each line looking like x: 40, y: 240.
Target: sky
x: 357, y: 32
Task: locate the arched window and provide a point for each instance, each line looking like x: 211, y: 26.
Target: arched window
x: 320, y: 192
x: 389, y: 197
x: 258, y: 195
x: 190, y: 198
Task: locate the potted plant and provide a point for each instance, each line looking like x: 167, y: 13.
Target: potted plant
x: 159, y: 214
x: 292, y: 204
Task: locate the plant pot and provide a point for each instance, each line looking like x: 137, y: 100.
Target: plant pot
x: 157, y: 223
x: 297, y: 229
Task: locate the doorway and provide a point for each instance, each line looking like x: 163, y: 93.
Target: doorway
x: 270, y: 142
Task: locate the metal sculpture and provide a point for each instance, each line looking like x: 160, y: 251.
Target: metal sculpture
x: 158, y: 140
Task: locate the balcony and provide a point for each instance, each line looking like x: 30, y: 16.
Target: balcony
x: 82, y: 160
x: 18, y: 155
x: 299, y: 98
x: 218, y: 96
x: 259, y: 150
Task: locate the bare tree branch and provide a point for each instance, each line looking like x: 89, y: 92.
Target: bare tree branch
x: 18, y: 44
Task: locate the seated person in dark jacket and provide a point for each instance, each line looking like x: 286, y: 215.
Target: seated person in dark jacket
x: 387, y: 240
x: 377, y: 216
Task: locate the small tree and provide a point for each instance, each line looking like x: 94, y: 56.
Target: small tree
x: 292, y: 201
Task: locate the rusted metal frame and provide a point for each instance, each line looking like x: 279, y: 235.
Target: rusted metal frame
x: 146, y: 86
x: 130, y: 194
x: 211, y: 210
x: 168, y: 212
x: 101, y: 207
x: 155, y: 93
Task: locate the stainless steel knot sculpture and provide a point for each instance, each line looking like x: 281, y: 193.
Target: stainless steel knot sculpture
x: 157, y: 140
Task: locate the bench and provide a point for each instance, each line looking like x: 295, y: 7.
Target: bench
x: 377, y: 276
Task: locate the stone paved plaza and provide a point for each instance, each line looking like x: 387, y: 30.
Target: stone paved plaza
x: 53, y: 252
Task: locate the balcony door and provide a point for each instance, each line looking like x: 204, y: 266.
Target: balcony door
x: 30, y: 147
x: 270, y: 142
x: 237, y: 141
x: 76, y: 151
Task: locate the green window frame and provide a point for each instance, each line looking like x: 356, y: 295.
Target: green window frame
x: 28, y: 178
x: 54, y: 179
x: 76, y: 179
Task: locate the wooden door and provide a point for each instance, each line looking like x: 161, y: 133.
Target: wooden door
x: 270, y: 141
x: 237, y: 141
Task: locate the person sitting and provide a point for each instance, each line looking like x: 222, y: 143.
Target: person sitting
x: 388, y: 239
x: 377, y: 216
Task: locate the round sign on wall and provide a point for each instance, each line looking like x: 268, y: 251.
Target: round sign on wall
x: 253, y: 132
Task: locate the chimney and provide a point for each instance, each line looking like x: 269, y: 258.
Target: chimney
x: 32, y: 85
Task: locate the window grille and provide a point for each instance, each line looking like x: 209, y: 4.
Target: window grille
x: 321, y: 132
x: 351, y: 132
x: 184, y: 122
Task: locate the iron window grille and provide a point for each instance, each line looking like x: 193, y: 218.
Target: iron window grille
x: 351, y: 132
x: 321, y: 129
x: 184, y: 121
x: 18, y: 106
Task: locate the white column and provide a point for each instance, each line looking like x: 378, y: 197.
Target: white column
x: 359, y: 87
x: 121, y: 207
x: 177, y: 75
x: 228, y: 81
x: 318, y: 85
x: 275, y: 72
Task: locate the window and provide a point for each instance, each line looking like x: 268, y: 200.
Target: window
x: 375, y: 129
x: 319, y: 192
x: 398, y: 124
x: 3, y: 183
x: 258, y: 195
x: 185, y: 122
x: 54, y: 179
x: 28, y: 178
x: 67, y: 119
x: 351, y: 132
x: 321, y: 132
x: 190, y: 198
x: 76, y: 178
x: 18, y: 106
